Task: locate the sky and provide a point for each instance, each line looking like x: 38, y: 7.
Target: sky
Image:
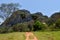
x: 47, y: 7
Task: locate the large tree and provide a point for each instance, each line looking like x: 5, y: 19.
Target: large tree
x: 7, y: 9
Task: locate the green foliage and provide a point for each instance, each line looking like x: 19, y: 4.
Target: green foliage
x: 20, y: 20
x: 38, y: 25
x: 20, y: 27
x: 57, y: 24
x: 3, y: 29
x: 51, y: 27
x: 6, y: 29
x: 30, y: 27
x: 10, y: 29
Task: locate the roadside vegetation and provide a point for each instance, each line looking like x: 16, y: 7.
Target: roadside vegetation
x: 16, y: 20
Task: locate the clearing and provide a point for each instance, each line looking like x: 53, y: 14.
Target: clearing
x: 52, y: 35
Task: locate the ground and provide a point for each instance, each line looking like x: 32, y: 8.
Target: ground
x: 52, y: 35
x: 30, y: 36
x: 13, y: 36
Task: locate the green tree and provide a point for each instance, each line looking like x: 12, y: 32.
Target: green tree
x: 50, y: 21
x: 38, y: 25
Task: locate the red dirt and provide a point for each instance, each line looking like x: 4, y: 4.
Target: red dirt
x: 30, y: 36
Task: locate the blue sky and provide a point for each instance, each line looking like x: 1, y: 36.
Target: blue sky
x: 47, y: 7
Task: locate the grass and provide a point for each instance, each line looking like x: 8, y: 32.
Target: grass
x: 13, y: 36
x: 52, y: 35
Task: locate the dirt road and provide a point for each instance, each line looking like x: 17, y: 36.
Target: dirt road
x: 30, y: 36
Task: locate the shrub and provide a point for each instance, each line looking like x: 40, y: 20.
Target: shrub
x: 10, y: 29
x: 57, y: 24
x: 38, y: 25
x: 3, y: 29
x: 52, y: 27
x: 30, y: 27
x: 21, y: 27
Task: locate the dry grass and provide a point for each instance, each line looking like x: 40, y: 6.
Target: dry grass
x: 54, y: 35
x: 13, y: 36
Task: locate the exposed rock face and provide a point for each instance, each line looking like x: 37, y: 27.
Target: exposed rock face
x: 22, y: 16
x: 17, y: 18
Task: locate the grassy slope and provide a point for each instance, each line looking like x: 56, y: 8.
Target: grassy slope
x: 55, y: 35
x: 13, y: 36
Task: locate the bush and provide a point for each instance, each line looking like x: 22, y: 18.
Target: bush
x: 52, y: 27
x: 22, y: 27
x: 38, y: 26
x: 10, y: 29
x: 30, y: 27
x: 3, y: 30
x: 57, y: 24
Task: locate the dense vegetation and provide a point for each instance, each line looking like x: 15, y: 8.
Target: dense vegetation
x: 23, y: 20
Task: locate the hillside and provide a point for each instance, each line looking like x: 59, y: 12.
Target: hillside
x: 23, y: 20
x: 22, y: 16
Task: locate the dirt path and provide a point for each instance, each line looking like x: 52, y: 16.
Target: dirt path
x: 30, y: 36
